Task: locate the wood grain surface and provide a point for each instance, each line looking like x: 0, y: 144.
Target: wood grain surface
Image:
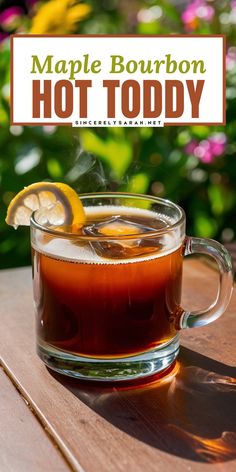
x: 185, y: 422
x: 24, y: 445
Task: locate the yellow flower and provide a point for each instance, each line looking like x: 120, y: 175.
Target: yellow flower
x: 59, y: 17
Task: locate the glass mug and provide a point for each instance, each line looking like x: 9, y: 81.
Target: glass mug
x: 108, y: 300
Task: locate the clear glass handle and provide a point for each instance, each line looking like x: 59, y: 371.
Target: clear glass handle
x: 222, y: 257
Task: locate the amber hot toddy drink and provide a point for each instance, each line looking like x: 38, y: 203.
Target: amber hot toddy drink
x: 108, y: 297
x: 111, y: 299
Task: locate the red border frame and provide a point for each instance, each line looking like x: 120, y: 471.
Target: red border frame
x: 223, y: 36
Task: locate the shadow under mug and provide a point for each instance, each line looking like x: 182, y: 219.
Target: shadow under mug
x: 104, y: 315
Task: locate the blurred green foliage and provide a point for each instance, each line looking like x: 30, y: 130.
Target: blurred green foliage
x: 194, y: 166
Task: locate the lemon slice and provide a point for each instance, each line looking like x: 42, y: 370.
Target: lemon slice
x: 119, y: 229
x: 56, y: 204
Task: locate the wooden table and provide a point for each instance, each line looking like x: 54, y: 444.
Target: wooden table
x: 186, y: 422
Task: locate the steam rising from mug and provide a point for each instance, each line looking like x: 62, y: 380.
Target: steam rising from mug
x: 87, y: 174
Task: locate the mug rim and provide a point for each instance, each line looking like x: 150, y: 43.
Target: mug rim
x: 69, y: 235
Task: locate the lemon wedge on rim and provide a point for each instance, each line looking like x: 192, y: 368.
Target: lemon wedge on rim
x: 56, y: 204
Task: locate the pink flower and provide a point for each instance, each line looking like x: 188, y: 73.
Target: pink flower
x: 10, y: 14
x: 218, y: 144
x: 197, y: 10
x: 207, y: 149
x: 233, y: 4
x: 203, y: 152
x: 205, y: 12
x: 190, y: 147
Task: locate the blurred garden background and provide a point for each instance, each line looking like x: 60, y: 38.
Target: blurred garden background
x: 193, y: 166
